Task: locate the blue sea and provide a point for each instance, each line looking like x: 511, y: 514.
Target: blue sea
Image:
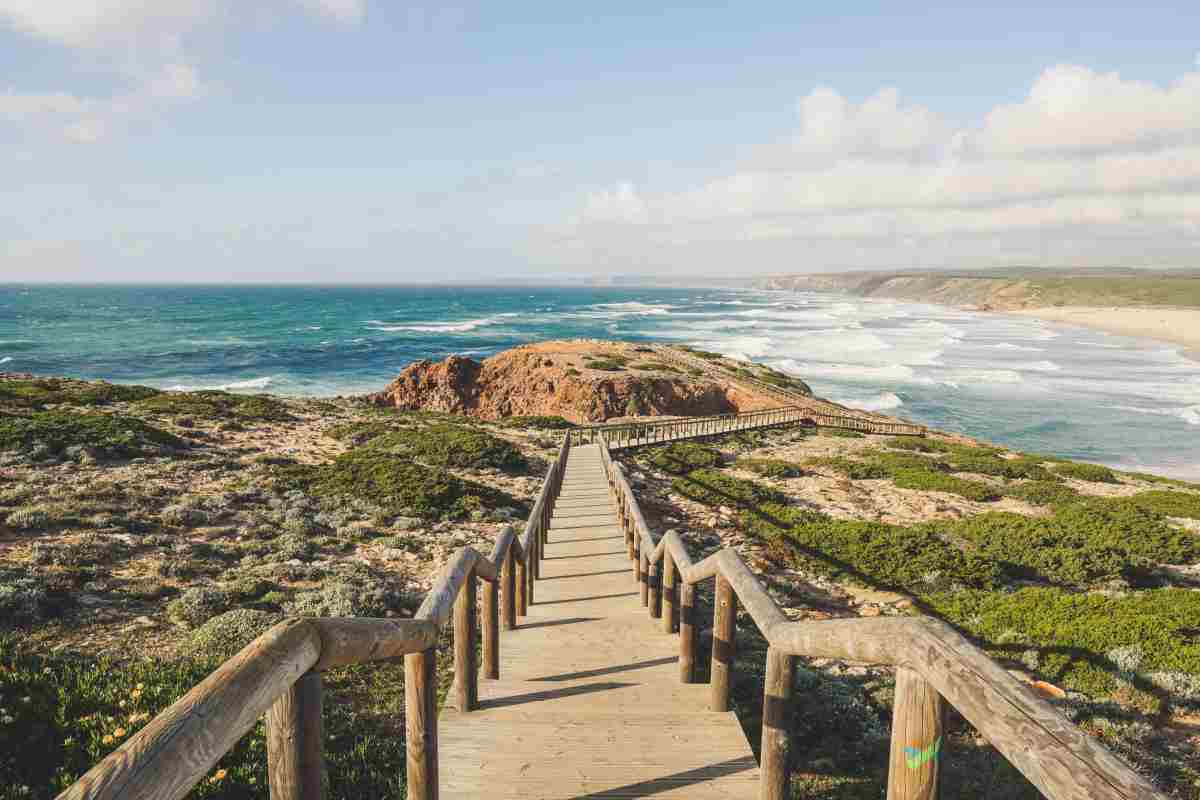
x: 1033, y: 385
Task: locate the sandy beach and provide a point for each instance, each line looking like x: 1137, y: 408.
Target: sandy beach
x: 1175, y: 325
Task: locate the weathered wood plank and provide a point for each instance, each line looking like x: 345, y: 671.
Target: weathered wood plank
x: 295, y: 738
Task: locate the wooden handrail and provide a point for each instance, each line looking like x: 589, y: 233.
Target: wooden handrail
x: 279, y: 673
x: 935, y: 664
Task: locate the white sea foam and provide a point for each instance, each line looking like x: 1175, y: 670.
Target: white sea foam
x: 6, y: 359
x: 1189, y: 414
x: 1018, y: 347
x: 882, y: 402
x: 634, y: 308
x: 464, y: 326
x: 234, y: 386
x: 851, y: 372
x: 976, y: 376
x: 1042, y: 366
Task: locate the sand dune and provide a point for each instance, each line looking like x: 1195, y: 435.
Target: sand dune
x: 1175, y: 325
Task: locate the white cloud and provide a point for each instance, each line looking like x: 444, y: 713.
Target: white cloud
x: 1108, y: 164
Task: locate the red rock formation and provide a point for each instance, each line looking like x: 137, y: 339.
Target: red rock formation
x: 552, y: 379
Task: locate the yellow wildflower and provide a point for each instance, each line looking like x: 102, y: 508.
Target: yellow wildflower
x: 107, y: 739
x: 135, y: 694
x: 134, y: 719
x: 218, y: 776
x: 140, y: 686
x: 119, y: 732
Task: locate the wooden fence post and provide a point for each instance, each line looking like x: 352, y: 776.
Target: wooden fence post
x: 508, y: 589
x: 637, y: 555
x: 917, y: 716
x: 652, y: 581
x: 670, y: 596
x: 644, y: 574
x: 420, y: 723
x: 777, y: 698
x: 466, y: 675
x: 295, y: 759
x: 723, y: 643
x: 524, y: 588
x: 491, y: 629
x: 687, y: 633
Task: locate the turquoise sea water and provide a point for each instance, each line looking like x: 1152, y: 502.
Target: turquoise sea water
x: 1028, y: 384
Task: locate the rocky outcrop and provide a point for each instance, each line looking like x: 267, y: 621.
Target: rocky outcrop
x: 554, y: 378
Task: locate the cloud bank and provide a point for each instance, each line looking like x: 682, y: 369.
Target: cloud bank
x: 1089, y: 168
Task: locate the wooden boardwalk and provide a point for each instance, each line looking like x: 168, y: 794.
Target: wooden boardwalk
x: 589, y: 703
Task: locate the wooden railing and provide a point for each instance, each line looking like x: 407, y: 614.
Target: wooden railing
x: 638, y: 434
x: 790, y: 397
x: 934, y: 665
x: 279, y: 675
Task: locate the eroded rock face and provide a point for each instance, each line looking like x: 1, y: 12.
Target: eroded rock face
x: 543, y: 380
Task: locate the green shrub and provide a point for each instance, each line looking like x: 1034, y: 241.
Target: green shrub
x: 1171, y: 504
x: 68, y: 712
x: 214, y: 405
x: 653, y: 366
x: 770, y: 467
x: 1042, y: 493
x: 446, y: 445
x: 849, y: 468
x: 1073, y: 634
x: 227, y: 633
x: 1080, y: 545
x: 918, y: 444
x: 572, y: 372
x: 49, y: 435
x: 342, y: 599
x: 875, y: 553
x: 680, y: 458
x: 538, y: 422
x: 928, y: 481
x: 842, y: 433
x: 197, y: 605
x: 1094, y: 473
x: 988, y: 462
x: 714, y: 488
x: 40, y: 392
x: 783, y: 380
x: 359, y: 432
x: 908, y: 461
x: 606, y: 365
x: 393, y: 485
x: 28, y: 518
x: 23, y: 599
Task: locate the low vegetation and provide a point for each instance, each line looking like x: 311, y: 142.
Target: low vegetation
x: 770, y: 467
x: 60, y: 434
x: 1086, y: 472
x: 680, y: 458
x: 448, y: 445
x: 37, y: 393
x: 537, y: 422
x: 714, y: 488
x: 215, y: 405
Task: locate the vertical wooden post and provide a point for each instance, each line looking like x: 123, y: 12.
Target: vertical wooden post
x: 637, y: 555
x: 630, y: 545
x: 687, y: 632
x: 917, y: 716
x: 466, y: 675
x: 644, y: 574
x: 652, y: 581
x: 524, y: 589
x: 777, y: 697
x: 295, y: 759
x: 508, y: 589
x: 723, y: 643
x: 420, y: 723
x: 491, y: 629
x: 670, y: 599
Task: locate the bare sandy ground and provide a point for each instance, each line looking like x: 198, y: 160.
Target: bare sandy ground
x: 1175, y: 325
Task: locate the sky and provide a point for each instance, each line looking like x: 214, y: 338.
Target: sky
x: 364, y: 141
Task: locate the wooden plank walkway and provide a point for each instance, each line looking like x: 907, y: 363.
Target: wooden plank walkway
x: 589, y: 703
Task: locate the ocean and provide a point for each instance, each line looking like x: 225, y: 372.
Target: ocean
x: 1032, y: 385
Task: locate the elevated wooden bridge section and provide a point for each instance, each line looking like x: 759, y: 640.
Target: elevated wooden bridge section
x: 575, y: 655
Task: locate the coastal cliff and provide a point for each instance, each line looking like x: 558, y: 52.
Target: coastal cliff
x: 581, y: 381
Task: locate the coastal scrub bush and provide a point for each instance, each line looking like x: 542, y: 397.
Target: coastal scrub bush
x: 1080, y: 545
x: 989, y: 462
x: 931, y: 481
x: 538, y: 422
x: 770, y: 467
x: 393, y: 485
x: 359, y: 432
x: 873, y: 553
x: 343, y: 598
x: 68, y: 711
x: 1094, y: 473
x: 849, y: 468
x: 214, y: 405
x: 605, y: 364
x: 910, y: 461
x: 197, y: 605
x: 40, y: 392
x: 1042, y: 493
x: 714, y: 488
x: 447, y: 445
x: 1073, y: 633
x: 680, y: 458
x: 28, y: 518
x: 653, y: 366
x: 227, y: 633
x: 918, y: 444
x: 784, y: 381
x: 53, y: 435
x: 23, y: 599
x: 1170, y: 504
x: 842, y: 433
